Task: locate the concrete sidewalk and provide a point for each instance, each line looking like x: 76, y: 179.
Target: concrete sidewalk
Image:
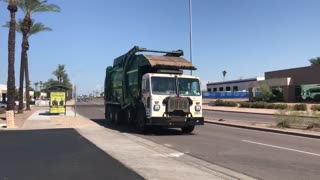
x: 150, y: 160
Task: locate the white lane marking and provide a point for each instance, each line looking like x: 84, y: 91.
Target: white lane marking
x: 279, y: 147
x: 176, y: 155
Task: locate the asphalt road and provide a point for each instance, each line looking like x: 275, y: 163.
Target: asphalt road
x: 258, y: 154
x: 55, y: 154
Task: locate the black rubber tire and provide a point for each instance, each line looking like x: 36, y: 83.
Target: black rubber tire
x: 187, y: 129
x: 129, y: 116
x: 109, y: 115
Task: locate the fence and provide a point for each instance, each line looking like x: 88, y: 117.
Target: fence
x: 228, y: 94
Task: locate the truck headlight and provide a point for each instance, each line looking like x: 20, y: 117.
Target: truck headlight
x: 197, y: 108
x: 156, y: 107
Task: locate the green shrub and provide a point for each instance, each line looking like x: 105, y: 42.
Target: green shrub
x: 299, y: 107
x: 2, y: 110
x: 315, y: 107
x: 271, y: 106
x: 281, y: 106
x: 220, y: 102
x: 259, y: 105
x: 245, y: 104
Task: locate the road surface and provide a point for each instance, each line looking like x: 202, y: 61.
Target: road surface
x: 258, y: 154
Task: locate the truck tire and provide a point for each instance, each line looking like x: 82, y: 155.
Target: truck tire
x: 110, y: 115
x: 141, y: 121
x: 129, y: 116
x: 188, y: 129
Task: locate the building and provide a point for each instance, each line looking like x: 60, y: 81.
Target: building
x: 297, y: 84
x: 234, y: 85
x: 3, y: 92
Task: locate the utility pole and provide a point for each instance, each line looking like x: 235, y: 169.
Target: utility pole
x: 190, y: 23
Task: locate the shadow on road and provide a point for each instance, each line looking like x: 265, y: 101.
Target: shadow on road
x: 152, y: 131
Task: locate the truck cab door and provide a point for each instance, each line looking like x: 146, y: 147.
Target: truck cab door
x: 146, y: 96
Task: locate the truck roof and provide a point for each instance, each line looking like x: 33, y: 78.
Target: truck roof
x: 169, y: 62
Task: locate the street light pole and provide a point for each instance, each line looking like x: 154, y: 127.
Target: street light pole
x: 190, y: 23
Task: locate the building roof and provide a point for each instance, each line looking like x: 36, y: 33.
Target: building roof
x: 233, y: 81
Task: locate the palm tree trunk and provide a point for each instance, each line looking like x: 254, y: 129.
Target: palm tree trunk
x: 12, y: 7
x: 25, y: 47
x: 27, y: 84
x: 22, y: 67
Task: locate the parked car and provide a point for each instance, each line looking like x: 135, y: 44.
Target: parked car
x: 3, y: 105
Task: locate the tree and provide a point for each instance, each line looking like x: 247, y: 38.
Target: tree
x: 266, y: 92
x: 224, y: 74
x: 60, y: 73
x: 41, y: 85
x: 30, y: 7
x: 315, y: 61
x: 36, y: 85
x: 12, y: 7
x: 34, y: 29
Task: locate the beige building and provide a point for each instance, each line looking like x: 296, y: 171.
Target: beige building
x: 3, y: 92
x: 296, y: 84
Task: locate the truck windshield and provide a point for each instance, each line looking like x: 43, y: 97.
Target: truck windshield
x: 189, y: 87
x: 163, y: 85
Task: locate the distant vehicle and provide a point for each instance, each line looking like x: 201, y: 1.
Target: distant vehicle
x: 3, y: 105
x: 311, y: 92
x: 83, y: 98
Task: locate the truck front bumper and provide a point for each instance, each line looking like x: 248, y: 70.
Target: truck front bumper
x: 175, y: 121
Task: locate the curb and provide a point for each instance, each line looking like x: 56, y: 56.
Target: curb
x: 265, y: 129
x: 237, y: 112
x: 230, y: 111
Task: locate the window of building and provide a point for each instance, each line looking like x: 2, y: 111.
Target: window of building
x: 228, y: 88
x: 209, y: 90
x: 214, y: 89
x: 235, y: 88
x: 220, y: 88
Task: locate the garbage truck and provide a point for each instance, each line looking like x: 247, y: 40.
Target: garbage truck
x: 150, y: 90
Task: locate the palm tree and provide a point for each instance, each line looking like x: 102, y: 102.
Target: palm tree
x: 34, y: 29
x: 60, y: 73
x: 12, y: 7
x: 29, y: 7
x: 36, y: 85
x: 224, y: 74
x: 41, y: 85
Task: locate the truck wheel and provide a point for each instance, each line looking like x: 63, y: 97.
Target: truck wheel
x: 140, y: 121
x: 129, y: 116
x: 108, y: 115
x: 188, y: 129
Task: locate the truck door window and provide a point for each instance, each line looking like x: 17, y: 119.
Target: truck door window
x: 189, y: 87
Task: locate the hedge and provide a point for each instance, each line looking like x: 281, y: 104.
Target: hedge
x: 299, y: 107
x: 315, y: 107
x: 220, y: 102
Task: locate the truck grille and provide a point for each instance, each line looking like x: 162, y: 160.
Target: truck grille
x: 180, y: 104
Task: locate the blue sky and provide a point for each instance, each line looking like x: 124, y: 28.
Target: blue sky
x: 243, y: 37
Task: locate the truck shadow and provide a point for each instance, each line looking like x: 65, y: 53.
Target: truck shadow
x: 152, y: 131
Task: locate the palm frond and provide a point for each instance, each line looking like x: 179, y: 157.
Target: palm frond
x: 33, y: 6
x: 38, y: 27
x: 18, y: 25
x: 34, y: 29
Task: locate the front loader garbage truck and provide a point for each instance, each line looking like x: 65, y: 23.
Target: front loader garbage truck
x: 148, y: 90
